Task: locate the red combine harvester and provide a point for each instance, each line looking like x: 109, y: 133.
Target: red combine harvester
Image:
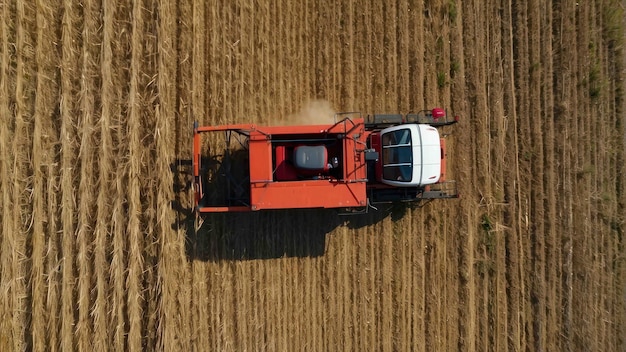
x: 351, y: 164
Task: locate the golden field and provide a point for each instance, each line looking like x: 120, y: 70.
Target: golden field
x: 98, y: 252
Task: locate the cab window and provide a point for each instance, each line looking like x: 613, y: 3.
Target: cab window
x: 397, y: 137
x: 398, y: 173
x: 397, y: 155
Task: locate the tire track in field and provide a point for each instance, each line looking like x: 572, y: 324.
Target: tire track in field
x: 403, y: 38
x: 444, y: 263
x: 460, y: 170
x: 537, y: 192
x: 527, y: 153
x: 500, y: 123
x: 551, y: 233
x: 582, y: 211
x: 389, y: 48
x: 565, y: 62
x: 364, y: 73
x: 511, y: 184
x: 493, y: 241
x: 416, y: 54
x: 479, y: 154
x: 346, y: 56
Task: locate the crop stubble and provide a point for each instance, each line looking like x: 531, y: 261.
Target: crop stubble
x: 97, y: 102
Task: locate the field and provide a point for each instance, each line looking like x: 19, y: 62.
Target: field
x: 97, y: 102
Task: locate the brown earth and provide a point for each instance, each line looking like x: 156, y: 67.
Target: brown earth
x: 97, y: 101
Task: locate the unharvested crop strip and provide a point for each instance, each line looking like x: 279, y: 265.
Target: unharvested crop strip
x: 171, y: 265
x: 43, y: 157
x: 7, y: 163
x: 134, y: 230
x: 22, y: 180
x: 69, y: 170
x: 110, y: 237
x: 91, y: 36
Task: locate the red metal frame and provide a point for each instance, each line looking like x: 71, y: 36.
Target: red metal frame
x: 347, y: 191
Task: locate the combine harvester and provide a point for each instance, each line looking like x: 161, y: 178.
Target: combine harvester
x: 351, y: 165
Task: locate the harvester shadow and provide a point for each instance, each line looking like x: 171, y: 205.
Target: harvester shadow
x: 260, y: 235
x: 272, y: 234
x: 249, y: 235
x: 269, y: 234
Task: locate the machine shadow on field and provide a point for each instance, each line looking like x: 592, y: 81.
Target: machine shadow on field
x: 247, y: 235
x: 260, y: 235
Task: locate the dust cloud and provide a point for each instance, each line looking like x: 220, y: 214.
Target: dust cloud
x: 315, y: 112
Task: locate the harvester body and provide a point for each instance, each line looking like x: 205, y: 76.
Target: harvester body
x: 350, y: 164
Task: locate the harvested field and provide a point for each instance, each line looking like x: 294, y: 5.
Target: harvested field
x: 97, y: 101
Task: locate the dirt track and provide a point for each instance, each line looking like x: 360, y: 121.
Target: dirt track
x: 97, y: 102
